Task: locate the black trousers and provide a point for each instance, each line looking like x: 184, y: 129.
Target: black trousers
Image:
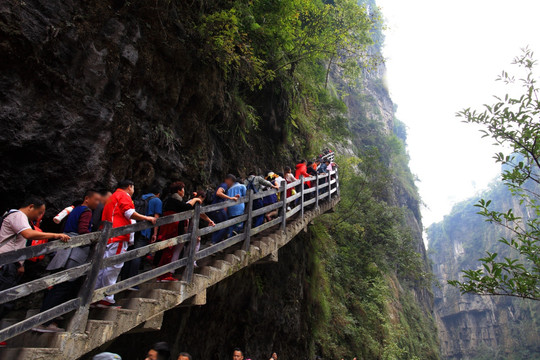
x: 9, y: 277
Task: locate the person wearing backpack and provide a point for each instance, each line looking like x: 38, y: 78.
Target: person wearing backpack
x: 119, y: 210
x: 220, y: 216
x: 256, y: 183
x: 150, y: 205
x: 15, y: 231
x: 78, y: 222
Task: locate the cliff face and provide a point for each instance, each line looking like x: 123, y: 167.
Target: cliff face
x: 94, y: 92
x: 478, y: 327
x: 91, y: 93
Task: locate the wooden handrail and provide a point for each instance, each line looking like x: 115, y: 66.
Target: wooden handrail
x: 324, y: 187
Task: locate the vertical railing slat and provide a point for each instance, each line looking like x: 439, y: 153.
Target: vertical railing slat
x: 284, y: 208
x: 78, y: 322
x: 193, y: 243
x: 317, y: 191
x: 302, y: 197
x: 249, y: 221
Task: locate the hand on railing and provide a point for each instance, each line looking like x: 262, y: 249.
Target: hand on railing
x: 63, y: 237
x: 150, y: 219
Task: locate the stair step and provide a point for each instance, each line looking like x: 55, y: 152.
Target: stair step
x: 233, y: 259
x: 222, y: 265
x: 30, y: 353
x: 214, y: 274
x: 241, y: 254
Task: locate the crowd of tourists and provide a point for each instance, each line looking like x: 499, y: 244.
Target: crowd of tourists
x: 162, y: 351
x: 21, y: 227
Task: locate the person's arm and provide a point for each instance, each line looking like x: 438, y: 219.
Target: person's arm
x: 30, y: 234
x: 208, y: 220
x: 136, y: 216
x: 156, y: 231
x: 84, y: 222
x: 221, y: 193
x: 267, y: 183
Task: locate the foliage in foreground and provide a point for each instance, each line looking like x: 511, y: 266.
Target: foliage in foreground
x: 514, y: 124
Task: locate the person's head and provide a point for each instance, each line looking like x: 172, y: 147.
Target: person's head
x: 107, y: 356
x: 310, y: 163
x: 156, y: 190
x: 271, y: 175
x: 230, y: 180
x: 91, y: 199
x: 33, y: 207
x: 327, y: 162
x: 287, y: 169
x: 178, y: 187
x: 200, y: 195
x: 184, y: 356
x: 159, y: 351
x: 317, y: 161
x: 128, y: 186
x: 238, y: 354
x: 105, y: 195
x: 274, y: 356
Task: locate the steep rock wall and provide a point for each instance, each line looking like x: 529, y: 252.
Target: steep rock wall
x: 94, y: 92
x: 478, y: 327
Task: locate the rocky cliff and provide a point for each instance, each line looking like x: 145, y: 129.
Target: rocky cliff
x: 98, y: 91
x: 476, y: 327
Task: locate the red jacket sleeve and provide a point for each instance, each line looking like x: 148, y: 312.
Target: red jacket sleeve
x: 125, y: 203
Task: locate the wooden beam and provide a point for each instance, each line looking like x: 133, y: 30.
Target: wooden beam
x: 249, y: 223
x: 42, y: 317
x: 43, y: 283
x: 43, y: 249
x: 188, y: 275
x: 78, y: 321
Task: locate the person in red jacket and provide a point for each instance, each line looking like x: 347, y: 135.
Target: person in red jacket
x: 119, y: 210
x: 301, y: 170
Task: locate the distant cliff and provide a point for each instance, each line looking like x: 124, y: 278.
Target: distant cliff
x: 470, y: 326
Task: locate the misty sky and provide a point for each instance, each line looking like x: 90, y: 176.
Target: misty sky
x: 443, y: 56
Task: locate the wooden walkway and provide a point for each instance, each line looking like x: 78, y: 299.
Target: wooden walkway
x: 143, y: 310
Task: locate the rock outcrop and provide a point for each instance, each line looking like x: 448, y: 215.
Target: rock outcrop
x: 471, y: 326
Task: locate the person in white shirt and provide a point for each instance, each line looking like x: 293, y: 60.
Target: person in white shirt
x: 14, y: 233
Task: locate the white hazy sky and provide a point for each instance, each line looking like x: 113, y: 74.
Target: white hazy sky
x: 443, y: 56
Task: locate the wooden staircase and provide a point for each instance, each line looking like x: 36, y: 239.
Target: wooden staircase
x: 143, y: 310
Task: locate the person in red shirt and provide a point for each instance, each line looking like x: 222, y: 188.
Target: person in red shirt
x: 119, y: 210
x: 301, y: 170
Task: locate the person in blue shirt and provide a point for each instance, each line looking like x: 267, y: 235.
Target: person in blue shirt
x: 236, y: 210
x: 220, y: 216
x: 147, y: 236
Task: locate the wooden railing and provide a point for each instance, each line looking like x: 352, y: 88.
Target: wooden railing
x: 324, y: 188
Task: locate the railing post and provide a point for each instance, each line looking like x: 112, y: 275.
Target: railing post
x: 249, y: 221
x: 193, y: 243
x: 302, y: 196
x: 317, y: 191
x: 77, y: 323
x: 329, y: 187
x: 337, y: 183
x: 329, y: 179
x: 284, y: 208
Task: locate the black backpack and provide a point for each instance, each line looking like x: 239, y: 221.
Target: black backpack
x: 141, y: 205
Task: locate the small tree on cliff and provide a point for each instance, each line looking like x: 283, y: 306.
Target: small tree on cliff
x: 514, y: 124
